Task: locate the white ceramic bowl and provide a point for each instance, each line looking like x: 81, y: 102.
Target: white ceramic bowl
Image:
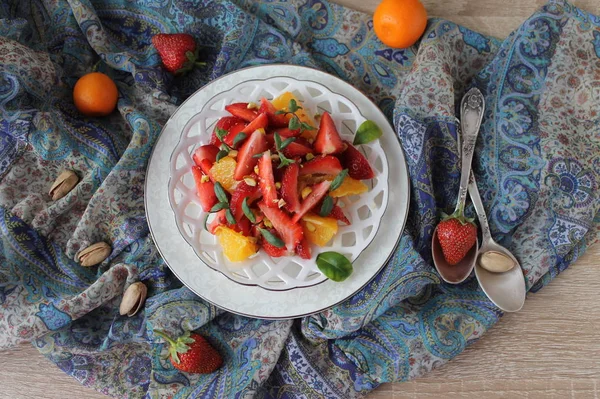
x: 285, y: 273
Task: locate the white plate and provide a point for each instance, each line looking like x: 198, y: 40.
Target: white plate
x: 255, y: 301
x: 289, y: 272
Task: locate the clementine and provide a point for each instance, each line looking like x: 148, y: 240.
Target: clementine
x: 95, y: 94
x: 399, y: 23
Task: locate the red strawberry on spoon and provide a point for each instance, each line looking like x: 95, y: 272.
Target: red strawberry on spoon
x: 178, y: 52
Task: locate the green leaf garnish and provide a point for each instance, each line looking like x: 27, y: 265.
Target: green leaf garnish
x: 367, y: 132
x: 283, y: 160
x: 305, y: 126
x: 294, y: 123
x: 221, y: 133
x: 221, y: 154
x: 293, y: 106
x: 271, y: 238
x: 335, y: 266
x: 248, y: 211
x: 286, y: 142
x: 206, y: 221
x: 218, y: 206
x: 327, y: 207
x: 259, y: 155
x: 339, y: 179
x: 277, y: 138
x: 280, y: 112
x: 230, y: 217
x: 239, y: 137
x: 220, y: 193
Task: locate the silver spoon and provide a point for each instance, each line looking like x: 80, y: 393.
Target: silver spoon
x: 471, y: 113
x: 503, y: 281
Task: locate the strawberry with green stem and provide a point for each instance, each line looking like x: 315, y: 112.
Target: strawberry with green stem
x: 457, y: 234
x: 178, y: 52
x: 192, y: 353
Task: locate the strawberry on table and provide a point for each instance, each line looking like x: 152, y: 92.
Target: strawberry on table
x: 290, y: 232
x: 318, y: 192
x: 328, y: 140
x: 178, y: 52
x: 269, y: 109
x: 338, y: 214
x: 456, y: 236
x: 266, y: 180
x: 289, y: 186
x: 298, y: 148
x: 207, y: 151
x: 356, y: 163
x: 246, y: 162
x: 242, y: 190
x: 328, y: 165
x: 192, y: 353
x: 205, y: 189
x: 242, y: 111
x: 286, y: 132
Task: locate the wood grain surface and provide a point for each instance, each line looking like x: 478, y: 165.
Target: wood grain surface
x: 551, y: 349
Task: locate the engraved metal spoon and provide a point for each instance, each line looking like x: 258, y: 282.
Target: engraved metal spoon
x: 471, y: 113
x: 503, y: 281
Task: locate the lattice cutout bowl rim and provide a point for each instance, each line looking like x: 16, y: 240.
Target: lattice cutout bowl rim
x: 290, y: 272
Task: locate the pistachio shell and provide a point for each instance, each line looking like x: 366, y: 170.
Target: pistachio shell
x: 94, y: 254
x: 133, y: 299
x: 496, y: 262
x: 63, y: 184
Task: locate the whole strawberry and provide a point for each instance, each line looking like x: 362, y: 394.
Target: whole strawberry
x: 456, y: 236
x: 192, y: 353
x: 178, y: 52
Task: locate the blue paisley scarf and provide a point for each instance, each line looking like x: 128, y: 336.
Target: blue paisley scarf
x: 537, y: 161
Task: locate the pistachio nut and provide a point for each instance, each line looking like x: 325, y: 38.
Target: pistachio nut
x: 496, y: 262
x: 133, y: 299
x: 64, y: 183
x: 94, y: 254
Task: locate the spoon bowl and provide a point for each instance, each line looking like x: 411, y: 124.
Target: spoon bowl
x: 507, y: 289
x: 453, y: 274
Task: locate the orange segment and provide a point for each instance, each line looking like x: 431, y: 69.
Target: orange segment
x: 350, y: 186
x: 222, y: 172
x: 282, y: 101
x: 236, y: 246
x: 319, y: 230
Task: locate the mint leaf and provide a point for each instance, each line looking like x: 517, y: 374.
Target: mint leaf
x: 220, y: 193
x: 339, y: 179
x: 221, y: 154
x: 239, y: 137
x: 248, y: 211
x: 335, y: 266
x: 326, y: 207
x: 367, y: 132
x: 271, y: 238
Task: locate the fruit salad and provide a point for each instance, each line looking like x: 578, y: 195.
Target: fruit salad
x: 273, y: 177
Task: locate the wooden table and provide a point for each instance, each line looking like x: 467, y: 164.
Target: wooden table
x: 551, y: 349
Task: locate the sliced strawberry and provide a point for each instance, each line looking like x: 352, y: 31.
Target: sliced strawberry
x: 289, y: 186
x: 290, y: 232
x: 328, y: 165
x: 303, y: 249
x: 338, y: 214
x: 234, y: 131
x: 298, y: 148
x: 328, y: 140
x: 274, y: 119
x: 271, y: 249
x: 206, y: 165
x: 317, y: 193
x: 242, y: 190
x: 260, y: 122
x: 241, y: 111
x: 206, y: 190
x: 219, y: 220
x: 266, y: 180
x: 285, y: 132
x: 356, y: 163
x: 207, y: 151
x: 246, y: 162
x: 225, y: 123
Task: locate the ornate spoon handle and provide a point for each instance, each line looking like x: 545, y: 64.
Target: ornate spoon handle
x: 471, y: 114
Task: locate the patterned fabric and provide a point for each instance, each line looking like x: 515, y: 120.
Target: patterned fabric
x: 537, y: 162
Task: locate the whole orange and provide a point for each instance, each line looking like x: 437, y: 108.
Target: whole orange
x: 95, y: 94
x: 399, y: 23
